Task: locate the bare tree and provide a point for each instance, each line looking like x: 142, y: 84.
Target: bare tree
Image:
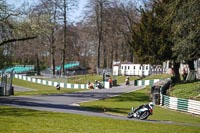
x: 113, y: 21
x: 11, y: 31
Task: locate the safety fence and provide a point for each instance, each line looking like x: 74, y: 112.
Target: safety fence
x: 146, y: 82
x: 51, y: 83
x: 180, y: 104
x: 79, y: 86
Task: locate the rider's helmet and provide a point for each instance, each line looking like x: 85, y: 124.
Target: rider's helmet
x: 151, y: 104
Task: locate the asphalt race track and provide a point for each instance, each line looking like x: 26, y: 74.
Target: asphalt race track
x: 69, y: 103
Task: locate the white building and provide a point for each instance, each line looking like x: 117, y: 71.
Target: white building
x: 132, y: 69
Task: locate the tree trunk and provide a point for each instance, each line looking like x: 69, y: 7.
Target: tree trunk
x: 130, y: 54
x: 52, y: 44
x: 111, y: 57
x: 65, y: 39
x: 53, y: 59
x: 99, y: 30
x: 191, y: 65
x: 105, y: 57
x: 176, y: 72
x: 37, y: 65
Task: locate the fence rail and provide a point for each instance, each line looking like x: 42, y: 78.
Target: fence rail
x: 51, y: 83
x: 180, y: 104
x: 145, y: 82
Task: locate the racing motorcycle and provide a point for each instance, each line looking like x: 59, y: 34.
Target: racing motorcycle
x: 142, y: 113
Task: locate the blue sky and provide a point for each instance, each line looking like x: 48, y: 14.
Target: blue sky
x: 75, y: 15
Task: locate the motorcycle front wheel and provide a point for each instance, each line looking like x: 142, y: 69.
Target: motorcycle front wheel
x: 130, y: 115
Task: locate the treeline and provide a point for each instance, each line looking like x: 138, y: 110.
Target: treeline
x: 149, y: 32
x: 168, y: 30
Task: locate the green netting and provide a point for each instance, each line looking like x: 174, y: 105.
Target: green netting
x: 69, y: 65
x: 19, y: 69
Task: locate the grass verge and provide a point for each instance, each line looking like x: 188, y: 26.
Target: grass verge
x: 122, y: 104
x: 15, y: 120
x: 38, y: 89
x: 187, y: 90
x: 158, y: 76
x: 84, y: 79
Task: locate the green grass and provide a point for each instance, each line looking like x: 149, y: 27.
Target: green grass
x: 15, y: 120
x: 78, y: 79
x: 121, y: 79
x: 122, y: 104
x: 24, y: 120
x: 187, y: 90
x: 84, y: 79
x: 158, y: 76
x: 39, y: 89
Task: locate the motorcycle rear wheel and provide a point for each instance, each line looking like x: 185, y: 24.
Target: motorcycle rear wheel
x: 144, y: 115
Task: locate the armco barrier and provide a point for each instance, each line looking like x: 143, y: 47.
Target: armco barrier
x: 181, y: 104
x: 145, y: 82
x: 51, y: 83
x: 79, y: 86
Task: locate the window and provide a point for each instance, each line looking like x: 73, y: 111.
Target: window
x: 133, y: 67
x: 121, y: 67
x: 125, y: 68
x: 146, y: 67
x: 128, y: 67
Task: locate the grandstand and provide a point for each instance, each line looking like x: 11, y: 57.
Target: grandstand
x: 25, y: 69
x: 19, y: 69
x: 69, y: 65
x: 72, y: 65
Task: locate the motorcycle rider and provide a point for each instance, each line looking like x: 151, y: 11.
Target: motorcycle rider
x: 149, y: 106
x: 127, y: 81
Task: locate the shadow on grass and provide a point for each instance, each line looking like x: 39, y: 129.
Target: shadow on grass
x: 10, y: 111
x: 133, y: 96
x: 106, y: 109
x: 30, y: 103
x: 128, y: 99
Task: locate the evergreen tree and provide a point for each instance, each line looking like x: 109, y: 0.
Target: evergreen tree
x: 150, y: 38
x: 185, y: 20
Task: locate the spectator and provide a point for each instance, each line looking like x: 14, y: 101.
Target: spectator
x: 90, y: 85
x: 184, y: 74
x: 110, y: 82
x: 127, y: 81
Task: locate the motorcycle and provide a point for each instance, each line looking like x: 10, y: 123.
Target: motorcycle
x: 142, y: 113
x: 99, y: 85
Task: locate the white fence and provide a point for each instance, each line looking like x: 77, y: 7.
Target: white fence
x: 181, y: 104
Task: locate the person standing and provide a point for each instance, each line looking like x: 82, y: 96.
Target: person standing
x: 184, y: 74
x: 110, y: 82
x: 127, y: 81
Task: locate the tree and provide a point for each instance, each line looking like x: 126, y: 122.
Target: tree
x: 47, y: 13
x: 51, y: 16
x: 150, y: 36
x: 65, y: 5
x: 12, y: 32
x: 186, y: 30
x: 127, y: 15
x: 111, y: 22
x: 169, y: 30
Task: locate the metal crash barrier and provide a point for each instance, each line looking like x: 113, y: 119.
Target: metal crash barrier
x: 159, y: 88
x: 6, y: 88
